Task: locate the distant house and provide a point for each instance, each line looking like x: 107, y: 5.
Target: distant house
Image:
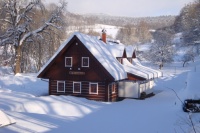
x: 97, y: 69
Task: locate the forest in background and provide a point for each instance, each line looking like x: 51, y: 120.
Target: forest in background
x: 31, y: 32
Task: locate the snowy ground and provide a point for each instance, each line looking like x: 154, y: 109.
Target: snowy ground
x: 24, y: 98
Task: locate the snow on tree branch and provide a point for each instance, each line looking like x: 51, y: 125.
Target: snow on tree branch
x: 20, y: 21
x: 54, y: 18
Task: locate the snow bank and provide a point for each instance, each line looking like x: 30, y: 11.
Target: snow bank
x: 5, y: 119
x: 192, y: 90
x: 26, y: 83
x: 5, y: 71
x: 66, y: 113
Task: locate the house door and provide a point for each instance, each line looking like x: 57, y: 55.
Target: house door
x: 109, y: 92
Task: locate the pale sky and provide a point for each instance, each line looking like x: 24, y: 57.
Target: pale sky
x: 129, y: 8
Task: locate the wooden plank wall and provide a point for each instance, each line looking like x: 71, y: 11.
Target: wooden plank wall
x: 113, y: 96
x: 84, y: 90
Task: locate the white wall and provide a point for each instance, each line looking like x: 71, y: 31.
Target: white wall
x: 147, y: 87
x: 128, y: 89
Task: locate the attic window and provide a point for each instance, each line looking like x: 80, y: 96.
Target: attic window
x: 93, y: 88
x: 76, y: 87
x: 68, y: 61
x: 60, y: 86
x: 85, y: 61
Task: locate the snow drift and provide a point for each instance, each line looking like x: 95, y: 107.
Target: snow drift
x: 5, y: 119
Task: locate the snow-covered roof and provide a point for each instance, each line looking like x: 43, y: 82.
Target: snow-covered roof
x: 129, y: 50
x: 100, y: 51
x: 106, y: 54
x: 136, y: 62
x: 137, y: 69
x: 152, y: 72
x: 116, y: 50
x: 134, y: 70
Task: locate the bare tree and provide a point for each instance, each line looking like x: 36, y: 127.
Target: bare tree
x: 127, y: 35
x: 188, y: 22
x: 188, y: 56
x: 162, y: 50
x: 143, y: 33
x: 19, y: 17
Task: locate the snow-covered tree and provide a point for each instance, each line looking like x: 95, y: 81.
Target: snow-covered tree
x: 188, y: 22
x: 21, y: 29
x: 162, y: 50
x: 188, y: 56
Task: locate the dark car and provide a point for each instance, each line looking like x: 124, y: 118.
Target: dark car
x: 191, y: 105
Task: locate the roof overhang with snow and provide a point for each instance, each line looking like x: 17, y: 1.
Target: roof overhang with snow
x: 100, y: 51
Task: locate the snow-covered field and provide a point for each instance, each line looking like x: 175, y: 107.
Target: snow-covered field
x: 112, y: 30
x: 24, y: 98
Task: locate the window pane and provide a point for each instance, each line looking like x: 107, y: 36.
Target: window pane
x: 77, y: 87
x: 61, y: 86
x: 68, y: 61
x: 85, y: 61
x: 93, y: 88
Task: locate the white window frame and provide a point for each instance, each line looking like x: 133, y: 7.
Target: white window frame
x: 65, y: 62
x: 80, y: 87
x: 88, y: 61
x: 90, y: 88
x: 57, y: 86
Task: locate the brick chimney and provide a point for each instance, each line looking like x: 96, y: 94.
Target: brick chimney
x: 103, y: 35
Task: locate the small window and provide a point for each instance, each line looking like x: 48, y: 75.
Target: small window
x: 68, y: 61
x: 93, y: 88
x: 85, y: 61
x: 60, y: 86
x: 76, y: 87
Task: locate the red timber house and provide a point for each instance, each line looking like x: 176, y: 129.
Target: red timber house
x: 86, y: 66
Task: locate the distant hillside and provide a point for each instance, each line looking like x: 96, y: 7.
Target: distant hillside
x: 91, y: 19
x: 97, y: 28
